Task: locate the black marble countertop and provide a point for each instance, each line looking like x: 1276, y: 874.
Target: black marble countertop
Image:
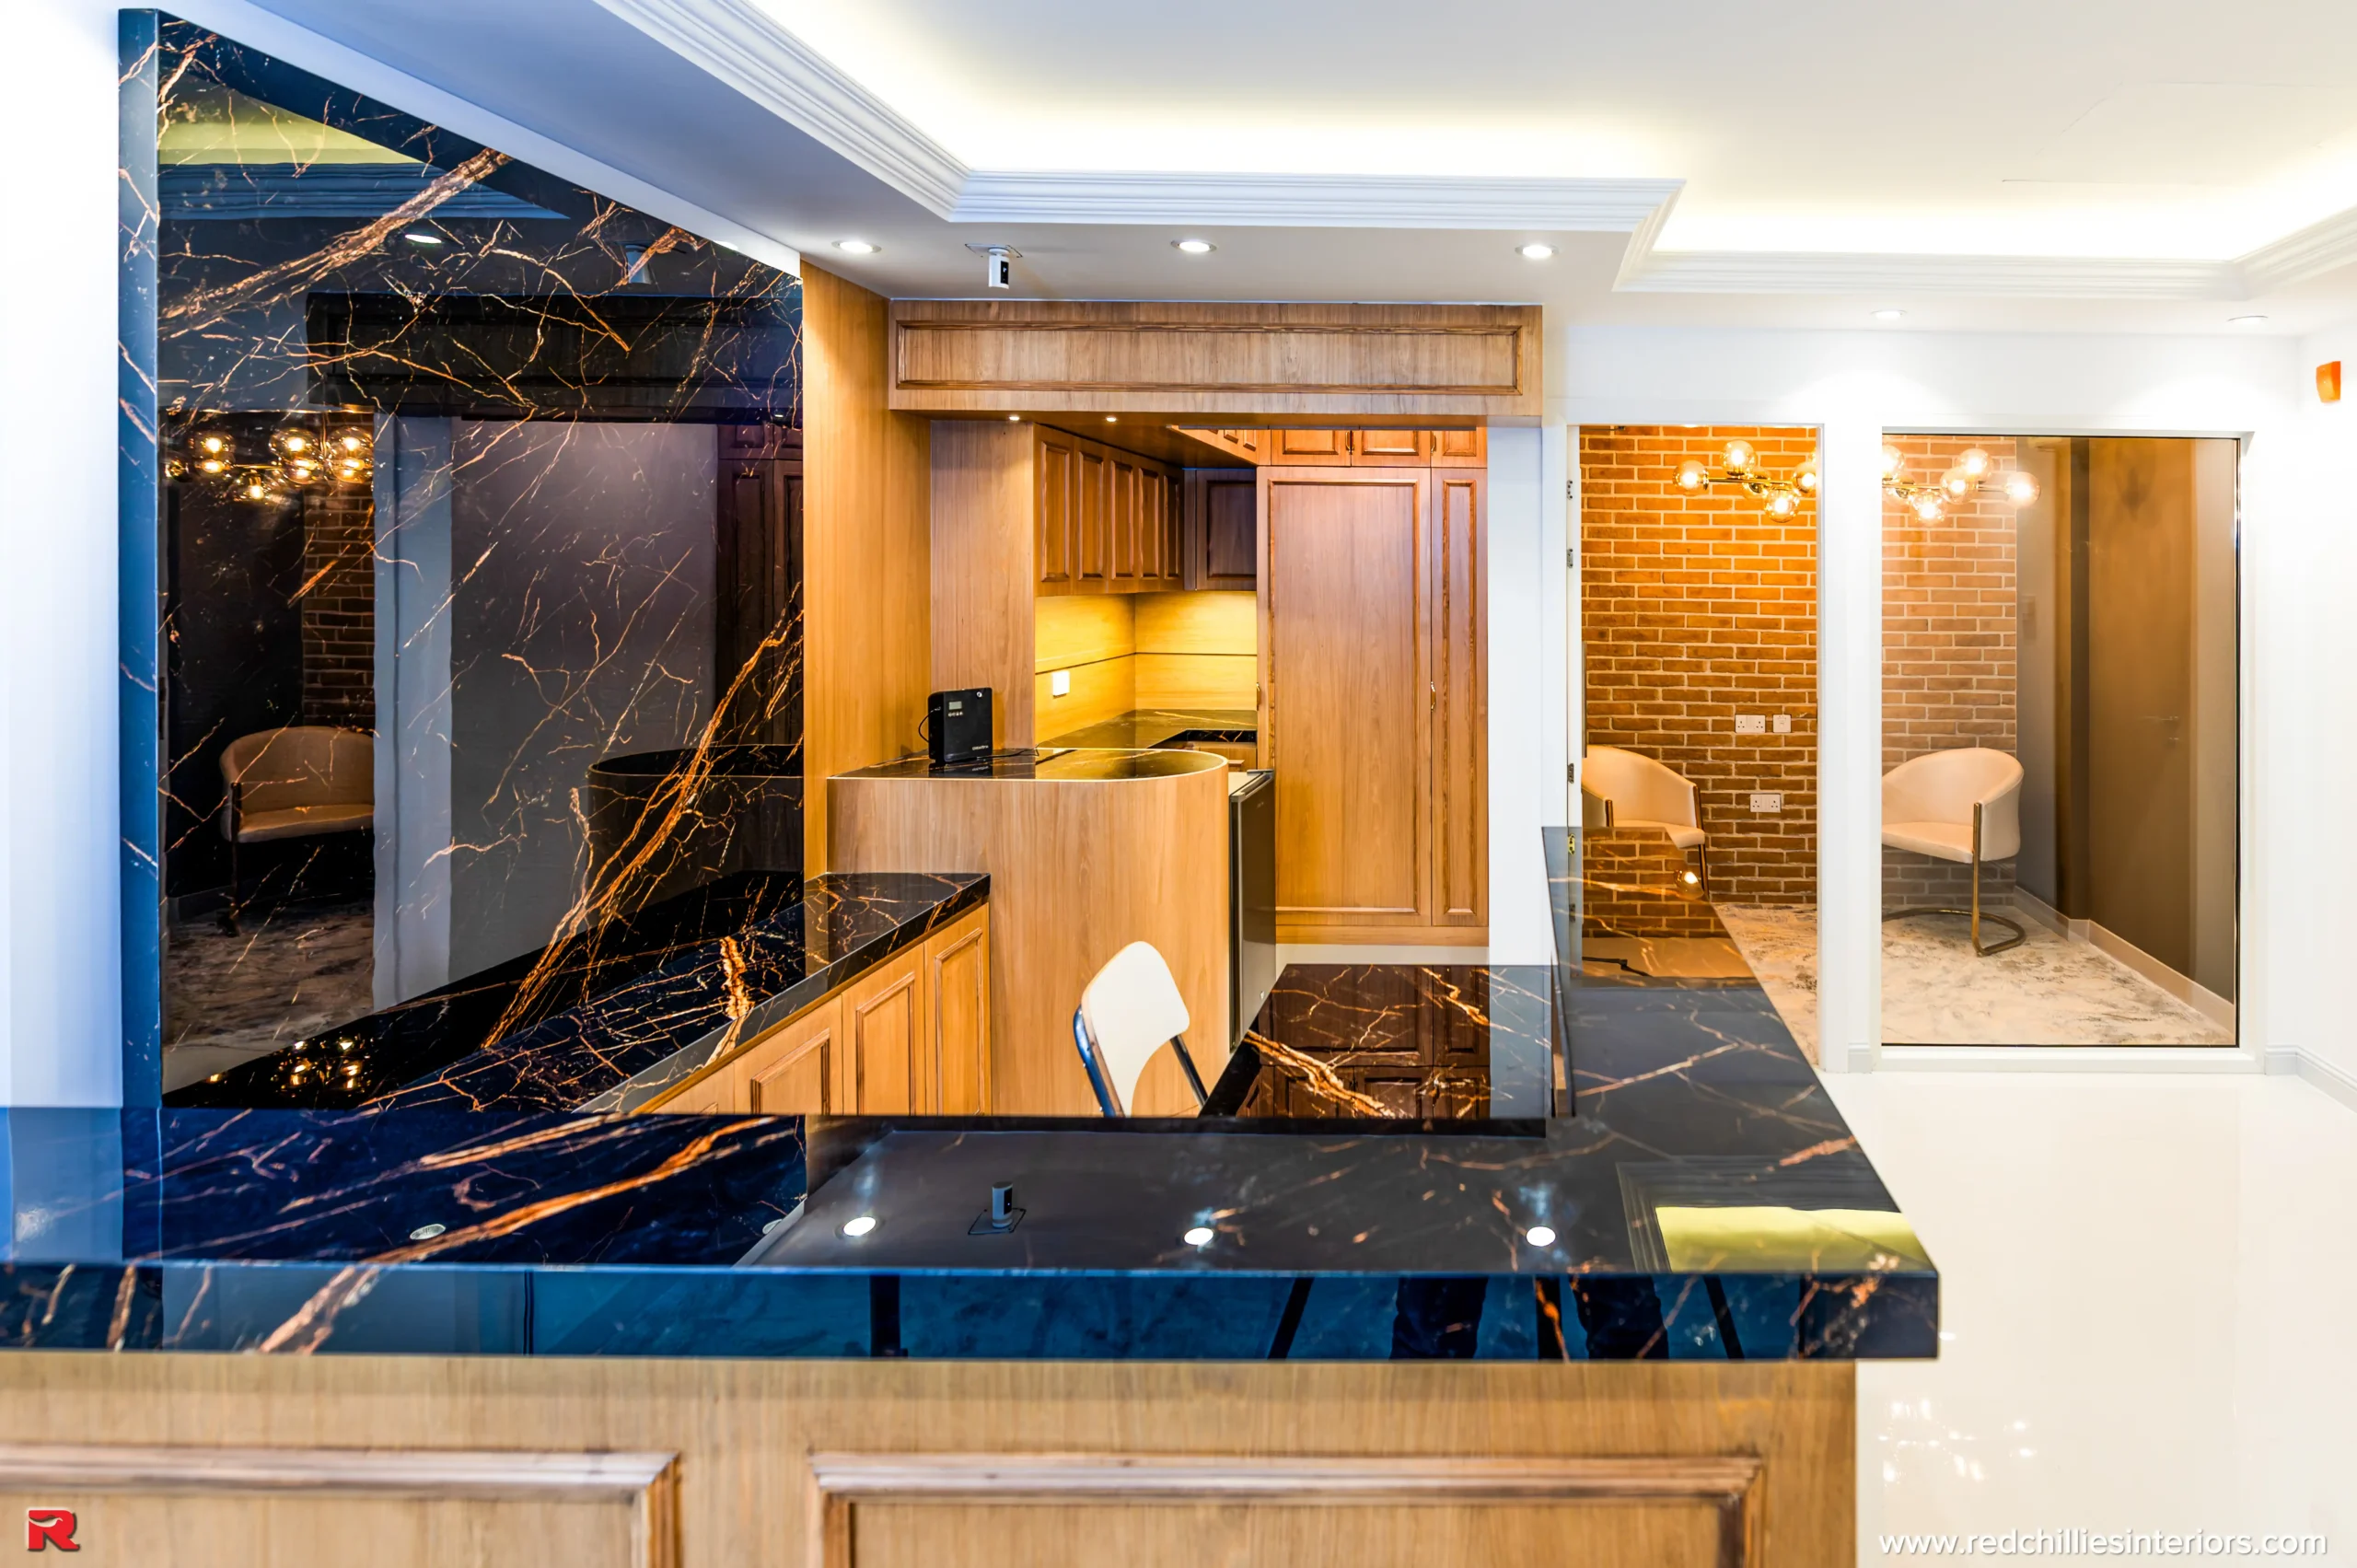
x: 1429, y: 1161
x: 607, y: 1020
x: 1054, y: 765
x: 1153, y: 726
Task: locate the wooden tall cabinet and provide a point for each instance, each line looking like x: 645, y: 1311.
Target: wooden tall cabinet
x: 1373, y: 713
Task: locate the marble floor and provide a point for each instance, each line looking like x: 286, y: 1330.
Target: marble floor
x: 2142, y: 1284
x: 2048, y: 991
x: 231, y: 998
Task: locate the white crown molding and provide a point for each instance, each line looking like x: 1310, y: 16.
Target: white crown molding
x: 298, y: 46
x: 1315, y: 200
x: 2302, y: 255
x: 738, y: 43
x: 2051, y: 277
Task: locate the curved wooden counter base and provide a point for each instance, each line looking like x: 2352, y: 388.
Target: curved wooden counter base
x: 1086, y: 852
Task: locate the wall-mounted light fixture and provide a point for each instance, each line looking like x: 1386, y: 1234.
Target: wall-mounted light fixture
x: 1782, y: 497
x: 1975, y: 474
x: 302, y: 454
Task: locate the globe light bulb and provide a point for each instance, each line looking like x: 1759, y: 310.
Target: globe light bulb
x: 1689, y: 475
x: 1781, y: 504
x: 2021, y: 489
x: 1739, y: 456
x: 1973, y: 460
x: 212, y: 465
x: 1806, y: 478
x: 1956, y: 483
x: 352, y: 443
x: 297, y: 443
x: 257, y: 491
x: 213, y: 444
x: 1927, y: 506
x: 1892, y: 462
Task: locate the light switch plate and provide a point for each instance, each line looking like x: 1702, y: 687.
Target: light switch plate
x: 1766, y: 805
x: 1059, y: 683
x: 1781, y: 724
x: 1750, y: 723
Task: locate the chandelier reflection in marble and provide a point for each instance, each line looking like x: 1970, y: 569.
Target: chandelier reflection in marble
x: 1782, y: 497
x: 300, y: 455
x: 1976, y: 473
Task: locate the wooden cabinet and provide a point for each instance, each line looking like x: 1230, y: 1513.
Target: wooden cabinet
x: 1222, y: 529
x: 1373, y: 638
x: 911, y: 1037
x: 1323, y: 448
x: 1461, y: 448
x: 1105, y: 520
x: 1391, y: 448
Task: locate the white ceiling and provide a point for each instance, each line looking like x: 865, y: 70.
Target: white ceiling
x: 2133, y: 165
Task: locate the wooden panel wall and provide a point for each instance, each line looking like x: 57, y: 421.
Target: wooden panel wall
x: 867, y: 584
x: 981, y: 567
x: 1229, y: 358
x: 835, y: 1463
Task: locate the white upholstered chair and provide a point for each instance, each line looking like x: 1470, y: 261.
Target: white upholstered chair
x: 1637, y: 791
x: 1129, y: 1012
x: 1964, y: 806
x: 295, y: 783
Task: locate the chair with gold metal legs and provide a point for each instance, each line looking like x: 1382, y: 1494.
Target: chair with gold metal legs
x: 1635, y: 791
x: 1963, y: 805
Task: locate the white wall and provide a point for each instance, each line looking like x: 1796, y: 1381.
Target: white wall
x: 1519, y: 800
x: 1857, y: 384
x: 60, y: 996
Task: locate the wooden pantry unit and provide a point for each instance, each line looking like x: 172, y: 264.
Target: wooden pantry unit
x: 1374, y: 708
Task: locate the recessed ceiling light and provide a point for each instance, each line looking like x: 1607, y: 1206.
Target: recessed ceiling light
x: 860, y: 1226
x: 1195, y: 247
x: 1111, y: 420
x: 1888, y: 315
x: 1015, y: 419
x: 1534, y: 251
x: 2246, y: 321
x: 423, y: 237
x: 1540, y: 1236
x: 1199, y: 1235
x: 857, y: 247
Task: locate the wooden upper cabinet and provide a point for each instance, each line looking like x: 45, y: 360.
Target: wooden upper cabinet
x: 1106, y: 520
x: 1092, y: 500
x: 1056, y: 467
x: 1461, y: 448
x: 1223, y: 530
x: 1328, y: 448
x: 1395, y: 448
x: 1250, y: 443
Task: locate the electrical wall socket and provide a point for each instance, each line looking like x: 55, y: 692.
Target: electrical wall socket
x: 1059, y: 683
x: 1766, y: 805
x: 1750, y: 723
x: 1781, y: 724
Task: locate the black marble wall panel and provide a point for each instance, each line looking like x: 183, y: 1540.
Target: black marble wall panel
x: 349, y: 330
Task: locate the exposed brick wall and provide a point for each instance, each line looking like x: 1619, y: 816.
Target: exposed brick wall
x: 1948, y: 649
x: 339, y: 602
x: 1695, y: 609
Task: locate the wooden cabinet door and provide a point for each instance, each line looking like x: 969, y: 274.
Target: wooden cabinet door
x: 1391, y: 449
x: 1253, y: 444
x: 1460, y: 448
x: 1123, y: 525
x: 1454, y: 592
x: 1343, y: 641
x: 1223, y: 530
x: 712, y: 1095
x: 794, y: 1072
x: 1057, y: 471
x: 957, y: 975
x: 1159, y: 526
x: 888, y: 1040
x: 1309, y: 446
x: 1092, y: 542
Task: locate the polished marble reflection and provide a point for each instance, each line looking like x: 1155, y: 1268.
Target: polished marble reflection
x: 464, y: 476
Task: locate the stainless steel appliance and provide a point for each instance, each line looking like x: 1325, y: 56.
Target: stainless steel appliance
x: 1251, y: 895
